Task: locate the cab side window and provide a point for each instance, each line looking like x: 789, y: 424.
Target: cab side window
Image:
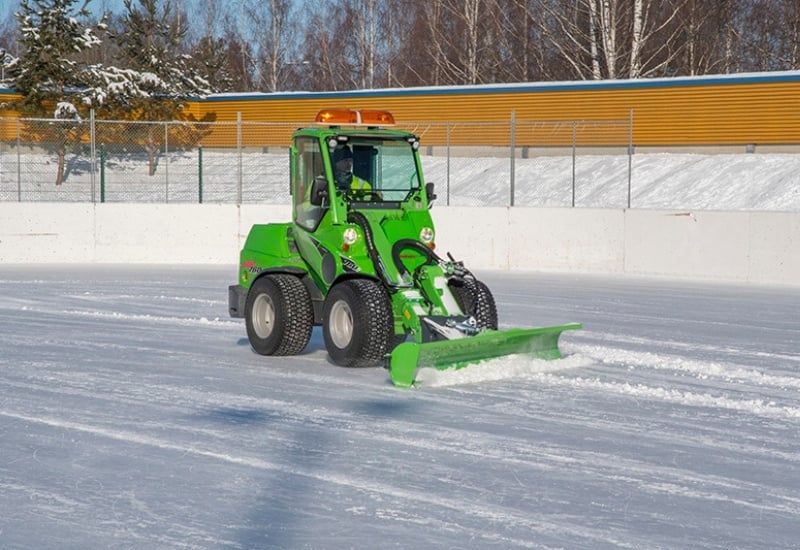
x: 309, y: 165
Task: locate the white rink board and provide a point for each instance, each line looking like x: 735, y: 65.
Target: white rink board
x: 757, y: 247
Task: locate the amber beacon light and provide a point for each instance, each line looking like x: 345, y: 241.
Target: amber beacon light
x: 362, y: 117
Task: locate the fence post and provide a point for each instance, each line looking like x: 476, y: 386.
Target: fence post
x: 513, y: 147
x: 630, y: 155
x: 574, y: 146
x: 200, y: 174
x: 19, y: 161
x: 102, y: 172
x: 240, y: 192
x: 166, y: 162
x: 447, y: 138
x: 93, y: 155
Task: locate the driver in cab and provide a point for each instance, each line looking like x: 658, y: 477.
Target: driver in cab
x: 343, y: 172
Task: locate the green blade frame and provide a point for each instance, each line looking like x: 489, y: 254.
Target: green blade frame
x: 408, y: 357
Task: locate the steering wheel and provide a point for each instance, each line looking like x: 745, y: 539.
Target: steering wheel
x: 364, y: 195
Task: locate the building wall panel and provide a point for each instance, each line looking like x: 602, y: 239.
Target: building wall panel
x: 757, y: 109
x: 722, y: 110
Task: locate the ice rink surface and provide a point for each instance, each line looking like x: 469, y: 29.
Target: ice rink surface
x: 133, y: 414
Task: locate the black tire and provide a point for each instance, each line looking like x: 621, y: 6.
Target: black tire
x: 357, y: 323
x: 474, y: 298
x: 279, y: 315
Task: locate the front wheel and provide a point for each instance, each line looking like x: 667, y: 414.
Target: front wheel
x: 279, y: 315
x: 357, y: 323
x: 474, y: 298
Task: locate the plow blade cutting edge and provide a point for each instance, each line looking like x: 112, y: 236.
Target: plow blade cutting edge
x: 541, y: 343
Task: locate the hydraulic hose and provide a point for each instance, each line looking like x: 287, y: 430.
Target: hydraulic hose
x: 361, y: 220
x: 402, y: 244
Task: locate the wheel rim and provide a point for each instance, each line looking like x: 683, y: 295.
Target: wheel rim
x: 341, y: 324
x: 263, y: 316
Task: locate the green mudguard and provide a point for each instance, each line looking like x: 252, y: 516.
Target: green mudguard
x: 408, y: 357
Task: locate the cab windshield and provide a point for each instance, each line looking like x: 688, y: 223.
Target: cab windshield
x: 385, y: 167
x: 379, y: 171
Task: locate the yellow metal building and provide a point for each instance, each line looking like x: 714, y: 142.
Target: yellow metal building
x: 758, y: 109
x: 746, y: 109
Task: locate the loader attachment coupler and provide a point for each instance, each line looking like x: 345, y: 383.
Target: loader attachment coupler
x: 408, y: 357
x: 448, y: 328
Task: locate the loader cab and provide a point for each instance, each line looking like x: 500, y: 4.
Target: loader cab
x: 385, y: 172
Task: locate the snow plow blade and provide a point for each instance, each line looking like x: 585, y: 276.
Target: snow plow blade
x: 408, y: 357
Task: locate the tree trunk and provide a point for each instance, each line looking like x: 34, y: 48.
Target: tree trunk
x: 636, y: 40
x: 594, y: 35
x: 151, y: 150
x: 608, y: 32
x: 62, y: 156
x: 472, y: 10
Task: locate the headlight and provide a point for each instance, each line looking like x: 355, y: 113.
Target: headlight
x: 426, y: 235
x: 349, y: 236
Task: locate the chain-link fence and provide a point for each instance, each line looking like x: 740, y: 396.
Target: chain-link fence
x: 126, y: 161
x: 526, y: 163
x: 514, y: 163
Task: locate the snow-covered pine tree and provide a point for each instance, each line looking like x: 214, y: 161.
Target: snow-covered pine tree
x: 209, y: 59
x: 209, y: 53
x: 151, y: 45
x: 51, y: 82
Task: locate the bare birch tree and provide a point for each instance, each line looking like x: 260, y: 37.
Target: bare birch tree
x: 271, y: 22
x: 469, y: 12
x: 463, y: 39
x: 364, y: 36
x: 517, y: 51
x: 655, y: 45
x: 606, y: 13
x: 770, y: 34
x: 637, y: 28
x: 333, y: 45
x: 568, y: 30
x: 602, y: 39
x: 433, y: 17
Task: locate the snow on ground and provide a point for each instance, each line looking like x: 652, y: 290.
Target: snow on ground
x: 133, y: 414
x: 768, y: 182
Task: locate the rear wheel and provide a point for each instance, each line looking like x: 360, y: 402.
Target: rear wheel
x: 279, y: 315
x: 357, y: 323
x: 474, y: 298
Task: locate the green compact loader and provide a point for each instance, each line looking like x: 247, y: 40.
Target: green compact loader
x: 358, y: 259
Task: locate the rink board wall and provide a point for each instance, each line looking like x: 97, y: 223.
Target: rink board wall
x: 756, y: 247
